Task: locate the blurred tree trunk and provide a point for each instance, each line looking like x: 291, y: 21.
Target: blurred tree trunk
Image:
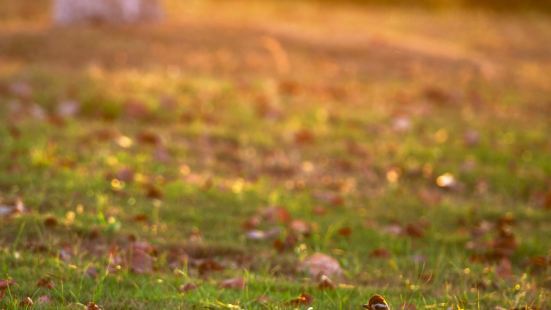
x: 106, y: 11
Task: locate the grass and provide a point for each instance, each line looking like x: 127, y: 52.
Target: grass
x: 346, y: 118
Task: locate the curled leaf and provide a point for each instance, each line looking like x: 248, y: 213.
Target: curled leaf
x: 325, y: 283
x: 26, y: 302
x: 92, y: 306
x: 376, y: 302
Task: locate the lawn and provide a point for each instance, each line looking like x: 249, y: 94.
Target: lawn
x: 231, y: 155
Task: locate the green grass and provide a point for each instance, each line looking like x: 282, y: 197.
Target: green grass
x: 232, y: 137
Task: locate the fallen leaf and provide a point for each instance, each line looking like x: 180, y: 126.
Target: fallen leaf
x: 66, y: 253
x: 547, y: 200
x: 140, y: 261
x: 426, y: 277
x: 153, y: 192
x: 92, y: 306
x: 44, y: 299
x: 91, y: 272
x: 437, y: 95
x: 14, y: 131
x: 26, y: 302
x: 319, y: 210
x: 299, y: 227
x: 251, y: 223
x: 184, y: 288
x: 6, y: 283
x: 376, y: 302
x: 148, y: 137
x: 209, y: 265
x: 345, y: 231
x: 234, y: 283
x: 263, y: 299
x: 135, y: 109
x: 141, y: 218
x: 276, y: 214
x: 302, y: 300
x: 471, y: 137
x: 380, y: 253
x: 45, y: 283
x: 50, y: 222
x: 319, y: 264
x: 125, y: 174
x: 504, y: 269
x: 393, y: 229
x: 304, y: 136
x: 414, y: 230
x: 289, y: 242
x: 161, y: 154
x: 539, y: 263
x: 325, y: 283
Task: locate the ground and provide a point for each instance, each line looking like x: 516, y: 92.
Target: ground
x: 142, y: 167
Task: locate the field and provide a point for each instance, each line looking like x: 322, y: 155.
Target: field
x: 207, y: 161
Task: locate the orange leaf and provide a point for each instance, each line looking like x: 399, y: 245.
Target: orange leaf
x: 302, y: 300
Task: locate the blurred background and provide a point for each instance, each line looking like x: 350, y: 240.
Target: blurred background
x: 408, y: 139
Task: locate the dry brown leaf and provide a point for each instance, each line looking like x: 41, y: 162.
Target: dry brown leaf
x: 140, y: 261
x: 153, y: 192
x: 184, y: 288
x: 92, y: 306
x: 6, y: 283
x: 325, y: 283
x: 233, y: 283
x: 304, y: 136
x: 50, y: 222
x: 380, y: 253
x: 319, y: 264
x: 26, y: 302
x: 414, y: 230
x: 148, y: 137
x: 209, y: 265
x: 125, y: 174
x: 302, y: 300
x: 45, y: 283
x: 376, y: 302
x: 345, y: 231
x: 276, y: 214
x: 288, y: 244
